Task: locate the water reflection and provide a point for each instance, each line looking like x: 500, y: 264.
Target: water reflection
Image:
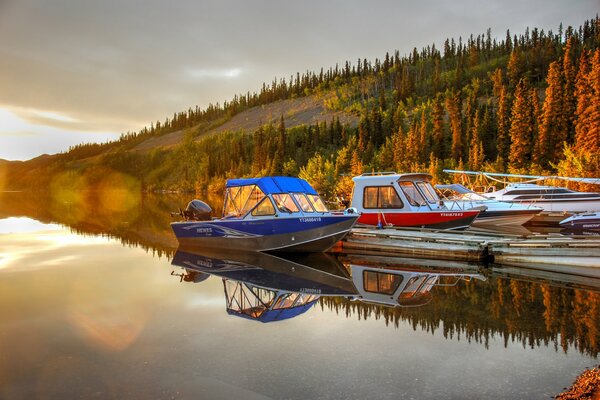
x: 265, y: 287
x: 458, y: 299
x: 404, y: 286
x: 518, y: 304
x: 260, y: 285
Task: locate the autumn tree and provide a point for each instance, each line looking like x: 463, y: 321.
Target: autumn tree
x: 588, y: 104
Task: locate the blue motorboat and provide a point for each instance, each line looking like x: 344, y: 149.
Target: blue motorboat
x: 584, y: 222
x: 265, y: 214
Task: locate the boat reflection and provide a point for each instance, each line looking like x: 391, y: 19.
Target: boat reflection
x: 403, y: 285
x: 267, y: 288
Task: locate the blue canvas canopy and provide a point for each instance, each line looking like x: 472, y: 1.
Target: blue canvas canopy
x: 275, y: 184
x: 281, y: 314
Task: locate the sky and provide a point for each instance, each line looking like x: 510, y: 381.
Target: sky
x: 75, y: 71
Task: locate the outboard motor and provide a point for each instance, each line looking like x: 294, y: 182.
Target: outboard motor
x: 197, y: 210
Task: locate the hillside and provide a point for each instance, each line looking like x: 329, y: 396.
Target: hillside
x: 524, y: 103
x: 308, y: 110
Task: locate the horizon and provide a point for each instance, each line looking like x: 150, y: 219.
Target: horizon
x: 75, y: 73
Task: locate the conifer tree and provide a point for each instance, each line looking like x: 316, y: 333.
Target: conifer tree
x: 588, y: 106
x: 521, y: 128
x: 570, y: 75
x: 453, y: 105
x: 399, y: 148
x: 583, y: 93
x: 476, y: 155
x: 437, y: 134
x: 504, y: 120
x: 515, y: 68
x: 553, y: 125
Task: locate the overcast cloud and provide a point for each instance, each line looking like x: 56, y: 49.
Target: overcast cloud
x: 76, y: 70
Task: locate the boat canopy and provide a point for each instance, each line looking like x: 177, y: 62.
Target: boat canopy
x: 270, y: 315
x: 274, y: 184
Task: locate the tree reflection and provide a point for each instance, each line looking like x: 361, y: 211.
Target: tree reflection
x: 531, y: 313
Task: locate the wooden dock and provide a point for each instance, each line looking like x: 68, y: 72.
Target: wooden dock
x: 576, y: 254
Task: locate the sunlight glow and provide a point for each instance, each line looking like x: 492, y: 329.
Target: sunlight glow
x: 24, y: 225
x: 26, y: 132
x: 24, y: 237
x: 201, y: 73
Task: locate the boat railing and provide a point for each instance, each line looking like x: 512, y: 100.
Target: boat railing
x: 379, y: 173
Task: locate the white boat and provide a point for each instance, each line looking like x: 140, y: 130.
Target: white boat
x: 494, y: 213
x: 549, y: 198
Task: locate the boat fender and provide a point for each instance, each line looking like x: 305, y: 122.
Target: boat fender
x: 351, y: 210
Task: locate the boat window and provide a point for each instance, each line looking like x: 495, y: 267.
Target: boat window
x: 381, y: 282
x: 291, y: 300
x: 411, y: 193
x: 303, y: 202
x: 239, y: 200
x: 428, y: 191
x: 285, y: 203
x: 381, y: 197
x: 265, y: 207
x: 317, y: 203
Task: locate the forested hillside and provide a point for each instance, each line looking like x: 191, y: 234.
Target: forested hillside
x: 524, y: 103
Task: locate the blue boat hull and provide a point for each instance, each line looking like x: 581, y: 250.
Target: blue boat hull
x: 589, y: 222
x: 291, y: 234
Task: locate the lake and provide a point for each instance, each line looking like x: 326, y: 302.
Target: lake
x: 96, y: 301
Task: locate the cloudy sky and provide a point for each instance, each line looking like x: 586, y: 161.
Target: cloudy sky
x: 75, y: 71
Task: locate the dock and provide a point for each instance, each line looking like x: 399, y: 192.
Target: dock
x: 578, y: 255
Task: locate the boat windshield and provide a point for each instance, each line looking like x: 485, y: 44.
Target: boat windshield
x: 428, y: 191
x: 285, y: 203
x: 412, y: 193
x: 241, y: 199
x: 265, y: 207
x: 317, y: 203
x: 303, y: 202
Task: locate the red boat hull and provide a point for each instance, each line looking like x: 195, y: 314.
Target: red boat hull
x: 420, y: 219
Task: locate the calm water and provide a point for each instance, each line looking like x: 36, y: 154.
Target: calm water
x: 95, y: 302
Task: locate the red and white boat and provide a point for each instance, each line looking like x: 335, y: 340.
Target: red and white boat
x: 405, y: 200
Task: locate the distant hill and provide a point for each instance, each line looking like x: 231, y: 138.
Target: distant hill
x: 300, y: 111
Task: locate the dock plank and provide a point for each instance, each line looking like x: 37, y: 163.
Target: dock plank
x: 478, y: 246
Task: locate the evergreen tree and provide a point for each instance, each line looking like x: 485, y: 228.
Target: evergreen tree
x: 522, y: 127
x: 570, y: 75
x: 453, y: 105
x: 476, y: 155
x: 438, y: 132
x: 553, y: 127
x: 515, y: 68
x: 504, y: 122
x: 588, y: 106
